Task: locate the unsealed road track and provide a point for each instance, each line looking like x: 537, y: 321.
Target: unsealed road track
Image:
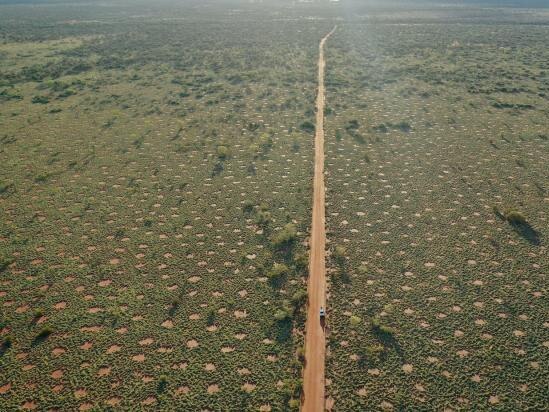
x: 315, y: 340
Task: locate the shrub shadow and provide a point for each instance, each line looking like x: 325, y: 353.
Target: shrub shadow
x: 527, y: 232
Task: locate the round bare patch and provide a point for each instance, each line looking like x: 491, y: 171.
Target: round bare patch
x: 58, y: 351
x: 104, y: 371
x: 213, y: 389
x: 29, y: 405
x: 80, y: 393
x: 386, y: 406
x: 248, y: 387
x: 493, y: 400
x: 113, y: 401
x: 182, y: 390
x: 57, y: 374
x: 5, y: 388
x: 168, y: 324
x: 113, y: 349
x: 239, y: 314
x: 149, y: 401
x: 139, y: 358
x: 146, y: 341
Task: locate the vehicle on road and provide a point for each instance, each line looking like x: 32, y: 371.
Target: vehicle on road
x: 322, y: 312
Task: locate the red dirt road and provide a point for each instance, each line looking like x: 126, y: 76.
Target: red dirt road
x: 315, y: 340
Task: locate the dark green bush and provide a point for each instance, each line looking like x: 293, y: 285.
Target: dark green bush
x: 4, y: 263
x: 43, y: 335
x: 248, y: 206
x: 40, y: 100
x: 307, y: 126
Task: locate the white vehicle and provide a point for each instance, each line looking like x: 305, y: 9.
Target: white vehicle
x: 322, y: 313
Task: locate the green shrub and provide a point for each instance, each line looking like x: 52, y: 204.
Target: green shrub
x: 40, y: 100
x: 4, y: 263
x: 210, y: 319
x: 277, y: 272
x: 265, y: 142
x: 8, y: 341
x: 403, y: 126
x: 222, y: 152
x: 362, y: 269
x: 263, y: 218
x: 285, y: 237
x: 352, y: 125
x: 162, y: 383
x: 355, y: 320
x: 293, y: 387
x: 381, y: 329
x: 282, y: 314
x: 300, y: 353
x: 248, y: 206
x: 382, y: 128
x: 6, y: 187
x: 515, y: 217
x: 38, y: 314
x: 294, y: 404
x: 340, y: 254
x: 41, y: 178
x: 6, y: 344
x: 299, y: 298
x: 374, y: 351
x: 43, y: 334
x: 301, y: 261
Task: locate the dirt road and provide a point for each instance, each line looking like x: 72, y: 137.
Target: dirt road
x: 315, y: 345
